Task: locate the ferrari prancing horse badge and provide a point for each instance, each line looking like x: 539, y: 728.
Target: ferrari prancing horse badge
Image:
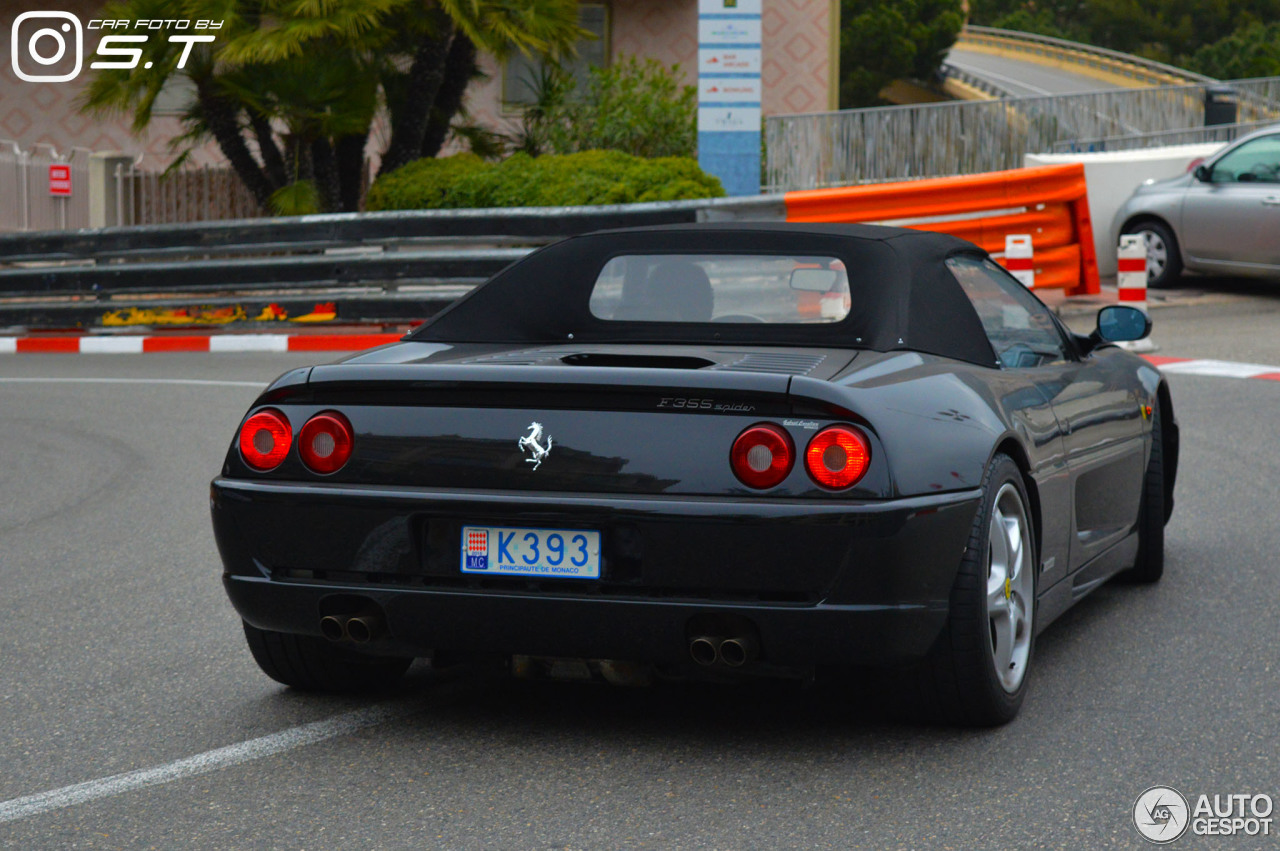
x: 532, y: 442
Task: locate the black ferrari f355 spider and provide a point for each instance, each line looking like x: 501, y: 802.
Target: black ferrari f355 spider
x: 709, y: 450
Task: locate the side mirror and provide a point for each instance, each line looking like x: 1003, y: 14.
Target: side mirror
x: 1202, y: 173
x: 1120, y: 323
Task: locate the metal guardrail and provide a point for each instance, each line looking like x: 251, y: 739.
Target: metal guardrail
x: 1099, y: 57
x: 301, y: 233
x: 849, y: 147
x: 952, y: 72
x: 1192, y: 136
x: 380, y: 266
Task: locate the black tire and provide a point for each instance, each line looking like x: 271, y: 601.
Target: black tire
x: 1160, y: 242
x: 1148, y: 567
x: 958, y: 681
x: 313, y: 664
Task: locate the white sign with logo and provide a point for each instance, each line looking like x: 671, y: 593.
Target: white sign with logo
x: 736, y: 119
x: 729, y: 90
x: 734, y: 60
x: 729, y: 31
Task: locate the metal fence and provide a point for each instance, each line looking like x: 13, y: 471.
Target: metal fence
x: 192, y: 194
x: 935, y: 140
x: 25, y: 200
x: 1193, y: 136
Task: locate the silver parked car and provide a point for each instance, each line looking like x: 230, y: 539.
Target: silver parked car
x: 1222, y: 218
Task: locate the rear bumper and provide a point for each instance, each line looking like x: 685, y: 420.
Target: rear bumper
x: 829, y: 583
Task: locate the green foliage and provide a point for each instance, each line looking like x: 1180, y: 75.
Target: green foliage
x: 588, y: 177
x: 551, y: 88
x: 288, y: 89
x: 1172, y: 31
x: 422, y: 184
x: 1251, y: 51
x: 884, y: 40
x: 639, y: 108
x: 297, y: 199
x: 1039, y: 21
x: 481, y: 141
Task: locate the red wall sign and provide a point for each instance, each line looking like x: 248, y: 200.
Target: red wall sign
x: 60, y: 180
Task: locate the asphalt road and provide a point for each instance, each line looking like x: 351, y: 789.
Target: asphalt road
x: 118, y: 652
x: 1024, y: 78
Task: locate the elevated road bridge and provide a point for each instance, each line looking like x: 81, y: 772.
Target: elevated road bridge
x: 1021, y: 75
x: 1021, y: 64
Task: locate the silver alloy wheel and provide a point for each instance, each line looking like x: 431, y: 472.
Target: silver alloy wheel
x: 1157, y: 253
x: 1010, y: 587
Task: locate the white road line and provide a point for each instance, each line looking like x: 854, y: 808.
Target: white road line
x: 294, y: 737
x: 205, y: 382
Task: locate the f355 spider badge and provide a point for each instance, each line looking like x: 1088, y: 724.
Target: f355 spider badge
x: 531, y: 442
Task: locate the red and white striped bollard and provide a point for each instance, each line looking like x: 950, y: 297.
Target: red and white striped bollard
x: 1131, y: 271
x: 1019, y: 258
x: 1131, y: 283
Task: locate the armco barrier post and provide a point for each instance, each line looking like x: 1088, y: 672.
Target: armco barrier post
x: 1131, y: 282
x: 1019, y: 258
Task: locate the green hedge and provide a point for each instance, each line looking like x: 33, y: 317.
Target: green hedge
x: 590, y: 177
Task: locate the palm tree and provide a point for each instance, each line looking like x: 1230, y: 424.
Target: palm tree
x: 289, y: 89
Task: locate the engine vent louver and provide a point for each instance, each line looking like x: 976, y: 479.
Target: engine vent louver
x: 524, y: 357
x: 775, y: 362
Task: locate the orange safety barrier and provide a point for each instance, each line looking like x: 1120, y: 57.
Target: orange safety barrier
x: 1048, y: 202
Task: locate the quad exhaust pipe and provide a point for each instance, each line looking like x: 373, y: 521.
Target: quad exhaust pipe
x: 705, y: 649
x: 361, y: 628
x: 733, y: 651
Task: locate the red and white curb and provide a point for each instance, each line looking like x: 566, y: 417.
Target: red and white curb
x: 1219, y: 368
x: 136, y: 345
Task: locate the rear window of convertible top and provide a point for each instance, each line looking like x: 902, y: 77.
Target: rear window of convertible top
x: 739, y: 288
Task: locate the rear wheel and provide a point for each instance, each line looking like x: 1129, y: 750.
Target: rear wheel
x: 1164, y: 262
x: 976, y: 673
x: 1149, y: 565
x: 313, y: 664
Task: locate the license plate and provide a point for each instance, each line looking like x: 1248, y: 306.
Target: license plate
x: 547, y: 553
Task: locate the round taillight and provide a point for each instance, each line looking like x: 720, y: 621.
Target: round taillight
x: 762, y: 456
x: 265, y: 439
x: 325, y: 442
x: 837, y: 456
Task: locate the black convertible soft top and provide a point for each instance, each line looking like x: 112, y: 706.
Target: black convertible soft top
x: 904, y: 297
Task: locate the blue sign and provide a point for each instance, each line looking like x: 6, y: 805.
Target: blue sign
x: 729, y: 92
